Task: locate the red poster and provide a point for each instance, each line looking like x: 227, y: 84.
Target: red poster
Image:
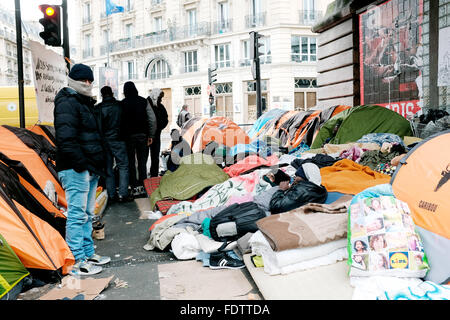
x: 391, y: 55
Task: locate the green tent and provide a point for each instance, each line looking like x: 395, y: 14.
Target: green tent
x: 12, y: 270
x: 195, y: 173
x: 352, y: 124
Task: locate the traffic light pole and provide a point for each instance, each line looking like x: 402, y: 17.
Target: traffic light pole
x: 258, y: 88
x: 66, y: 46
x: 20, y: 64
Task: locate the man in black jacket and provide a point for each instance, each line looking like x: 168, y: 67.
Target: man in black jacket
x: 111, y: 119
x: 79, y: 162
x: 162, y: 120
x: 139, y: 126
x: 306, y: 188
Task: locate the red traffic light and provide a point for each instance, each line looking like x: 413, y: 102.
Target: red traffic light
x: 49, y: 11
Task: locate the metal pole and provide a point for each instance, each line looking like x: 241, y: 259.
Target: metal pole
x: 66, y: 46
x: 20, y: 64
x: 258, y: 88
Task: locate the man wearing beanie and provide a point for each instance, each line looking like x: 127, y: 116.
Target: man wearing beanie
x: 79, y: 162
x: 306, y: 188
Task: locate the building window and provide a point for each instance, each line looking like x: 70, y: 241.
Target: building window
x: 192, y: 22
x: 192, y: 98
x: 224, y: 99
x: 266, y: 57
x: 303, y: 49
x: 129, y: 31
x: 159, y: 69
x: 222, y: 55
x: 245, y: 61
x: 190, y: 61
x: 157, y: 22
x: 87, y: 12
x: 129, y: 5
x: 305, y: 95
x: 223, y: 23
x: 130, y: 70
x: 88, y: 51
x: 251, y: 98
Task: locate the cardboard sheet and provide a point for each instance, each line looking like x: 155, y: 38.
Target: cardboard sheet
x: 190, y: 280
x: 329, y: 282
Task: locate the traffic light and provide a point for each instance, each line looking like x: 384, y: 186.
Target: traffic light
x: 52, y: 24
x: 212, y: 75
x: 255, y: 45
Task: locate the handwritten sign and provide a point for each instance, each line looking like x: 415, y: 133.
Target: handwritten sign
x: 50, y: 75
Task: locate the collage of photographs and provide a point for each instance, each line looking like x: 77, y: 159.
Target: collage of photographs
x: 383, y: 236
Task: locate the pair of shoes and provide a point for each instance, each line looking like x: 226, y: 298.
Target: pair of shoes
x: 139, y: 192
x: 98, y: 260
x: 222, y: 260
x: 85, y: 268
x: 128, y: 198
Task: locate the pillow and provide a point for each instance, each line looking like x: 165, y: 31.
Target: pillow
x: 382, y: 239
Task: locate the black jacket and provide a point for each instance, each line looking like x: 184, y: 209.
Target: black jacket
x: 162, y: 118
x: 78, y: 136
x: 110, y: 111
x: 137, y: 116
x: 296, y: 196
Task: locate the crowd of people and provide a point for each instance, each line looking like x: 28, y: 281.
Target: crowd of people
x: 90, y: 138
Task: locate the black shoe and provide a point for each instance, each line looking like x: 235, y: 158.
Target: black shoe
x: 223, y: 261
x: 121, y: 199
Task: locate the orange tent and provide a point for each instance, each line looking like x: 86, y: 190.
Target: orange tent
x: 43, y: 130
x: 219, y: 129
x: 13, y: 147
x: 34, y: 241
x: 422, y: 180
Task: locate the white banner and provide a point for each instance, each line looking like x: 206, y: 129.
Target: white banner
x: 444, y: 57
x: 50, y: 75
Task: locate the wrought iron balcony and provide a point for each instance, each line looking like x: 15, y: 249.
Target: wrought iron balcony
x: 189, y: 68
x: 255, y: 20
x: 223, y: 26
x: 309, y: 17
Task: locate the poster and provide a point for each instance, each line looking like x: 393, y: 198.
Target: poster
x: 391, y: 55
x: 444, y: 57
x: 109, y: 77
x: 50, y: 75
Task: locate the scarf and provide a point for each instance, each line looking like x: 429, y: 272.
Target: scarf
x: 81, y: 87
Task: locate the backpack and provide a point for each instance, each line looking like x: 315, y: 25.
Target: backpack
x: 235, y: 221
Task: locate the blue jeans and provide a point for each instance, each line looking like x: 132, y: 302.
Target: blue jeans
x: 118, y: 151
x: 80, y: 189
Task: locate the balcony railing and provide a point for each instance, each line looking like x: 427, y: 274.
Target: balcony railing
x: 157, y: 2
x: 130, y: 76
x: 309, y: 17
x: 262, y: 60
x: 245, y: 62
x: 223, y: 26
x: 223, y: 64
x: 154, y: 38
x: 189, y: 68
x: 159, y: 75
x: 103, y: 49
x: 88, y: 53
x: 255, y: 20
x: 87, y: 20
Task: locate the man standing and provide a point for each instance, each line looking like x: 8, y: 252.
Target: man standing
x: 139, y: 126
x: 183, y: 116
x: 111, y: 115
x: 162, y: 119
x: 79, y: 163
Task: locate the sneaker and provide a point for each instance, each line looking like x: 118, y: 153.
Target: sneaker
x: 84, y: 268
x: 223, y: 261
x: 121, y: 199
x: 98, y: 260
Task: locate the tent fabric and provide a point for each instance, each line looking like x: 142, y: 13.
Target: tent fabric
x: 14, y: 148
x: 12, y: 270
x: 422, y: 180
x: 263, y: 120
x: 46, y: 131
x: 347, y: 176
x: 219, y: 129
x: 346, y: 125
x: 38, y: 245
x: 195, y: 173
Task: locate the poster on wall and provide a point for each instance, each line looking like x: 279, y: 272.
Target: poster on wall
x: 391, y: 56
x: 444, y: 57
x: 109, y: 77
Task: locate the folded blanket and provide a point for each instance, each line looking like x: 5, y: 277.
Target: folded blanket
x: 349, y: 177
x: 291, y: 260
x: 307, y: 226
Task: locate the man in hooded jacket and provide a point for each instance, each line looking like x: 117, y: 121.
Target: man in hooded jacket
x: 162, y: 119
x: 80, y: 162
x: 139, y: 127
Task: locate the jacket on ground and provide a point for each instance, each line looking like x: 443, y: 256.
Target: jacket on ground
x: 78, y: 139
x: 297, y: 195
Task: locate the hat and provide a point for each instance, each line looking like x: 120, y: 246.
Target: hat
x: 81, y: 72
x: 301, y: 173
